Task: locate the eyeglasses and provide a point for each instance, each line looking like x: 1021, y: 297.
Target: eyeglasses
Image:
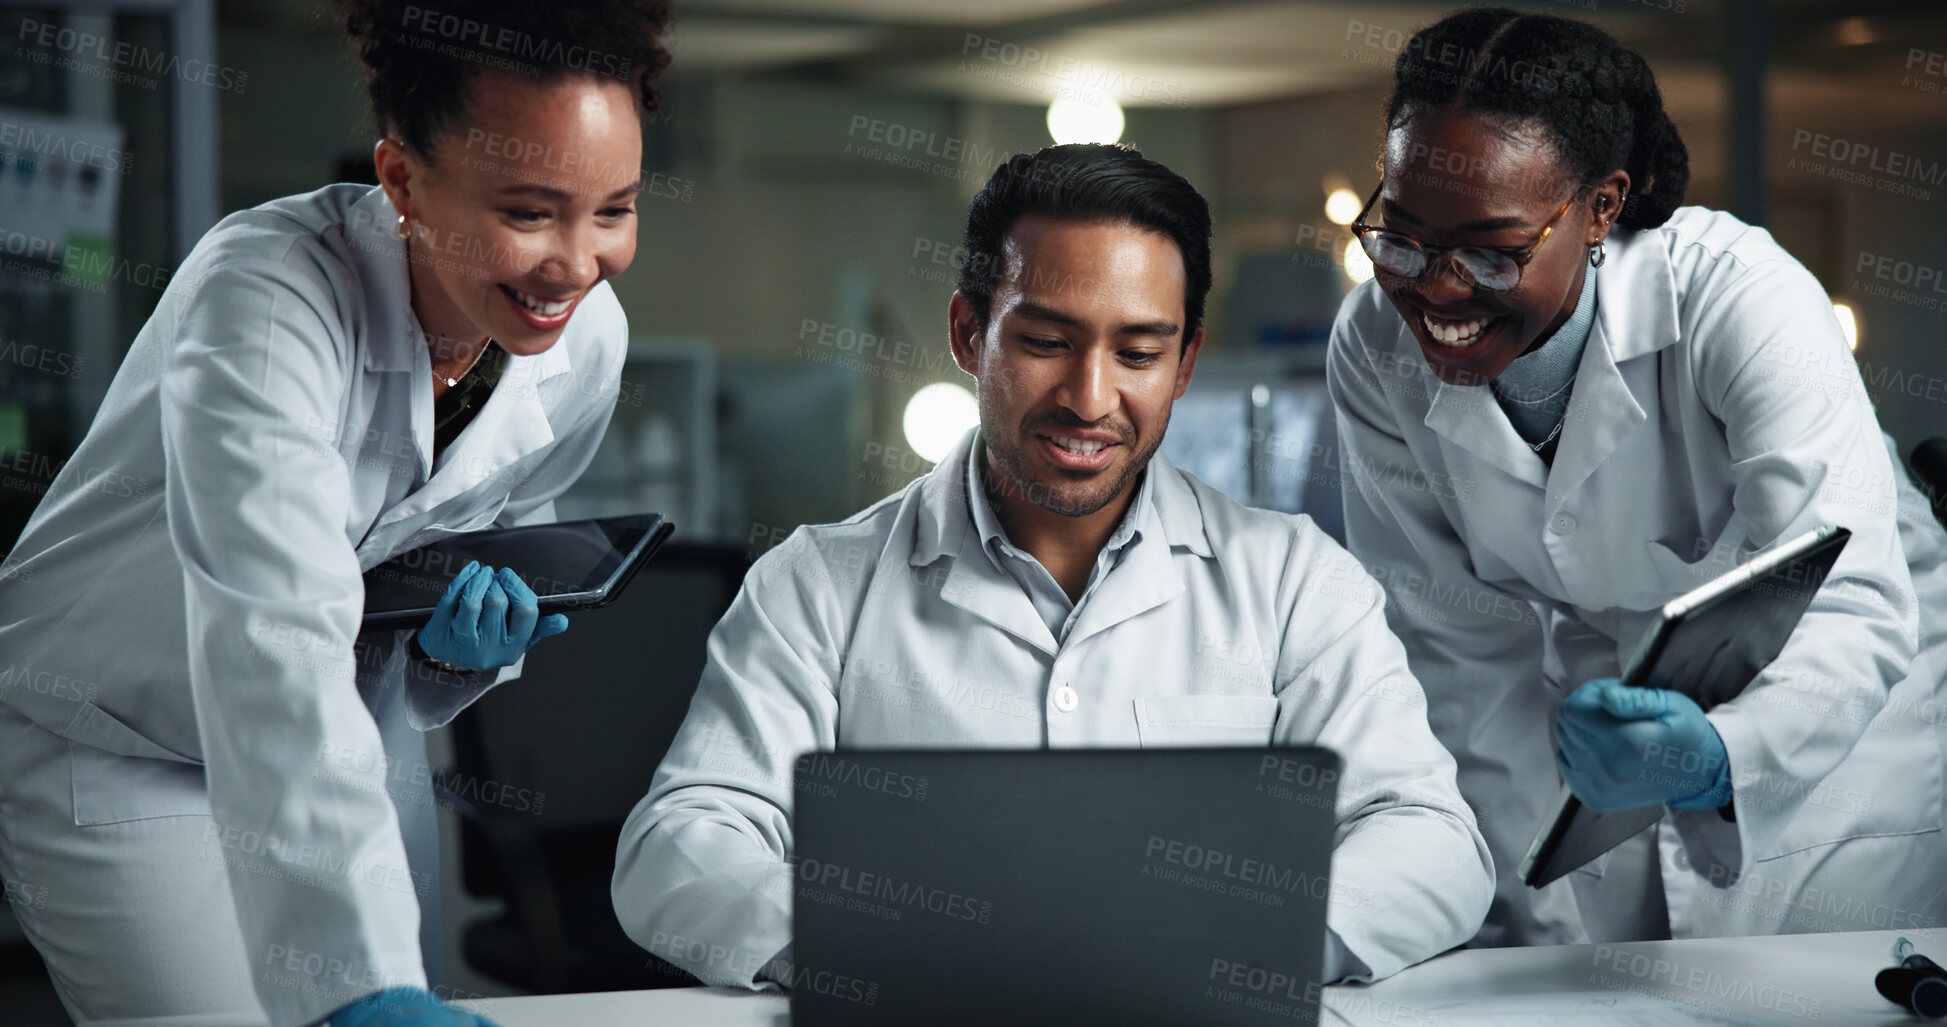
x: 1405, y: 257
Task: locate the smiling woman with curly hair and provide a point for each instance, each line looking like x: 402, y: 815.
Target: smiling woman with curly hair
x: 1603, y: 369
x: 226, y: 806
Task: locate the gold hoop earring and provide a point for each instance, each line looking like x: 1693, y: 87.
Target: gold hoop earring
x: 1597, y: 255
x: 404, y: 230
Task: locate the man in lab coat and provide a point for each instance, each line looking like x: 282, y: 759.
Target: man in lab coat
x: 1055, y: 582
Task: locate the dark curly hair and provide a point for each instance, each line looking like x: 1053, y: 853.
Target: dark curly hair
x: 1597, y: 100
x: 1086, y: 182
x: 421, y: 58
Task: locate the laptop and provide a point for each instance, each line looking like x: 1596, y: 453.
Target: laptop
x: 1130, y: 887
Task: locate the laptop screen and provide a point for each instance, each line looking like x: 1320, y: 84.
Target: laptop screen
x: 1165, y: 886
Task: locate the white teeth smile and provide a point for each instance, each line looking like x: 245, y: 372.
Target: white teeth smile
x: 537, y: 304
x: 1454, y: 333
x: 1079, y: 447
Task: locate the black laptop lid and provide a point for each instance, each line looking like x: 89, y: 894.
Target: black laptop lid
x: 1097, y: 885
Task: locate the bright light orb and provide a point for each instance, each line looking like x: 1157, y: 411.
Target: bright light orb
x: 1073, y: 121
x: 1342, y: 206
x: 1358, y: 266
x: 1848, y: 323
x: 937, y: 416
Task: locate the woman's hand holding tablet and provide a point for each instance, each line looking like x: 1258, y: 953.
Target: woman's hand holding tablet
x: 1620, y: 747
x: 486, y: 620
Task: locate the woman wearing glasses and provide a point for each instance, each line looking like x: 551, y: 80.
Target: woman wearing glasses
x: 1612, y: 393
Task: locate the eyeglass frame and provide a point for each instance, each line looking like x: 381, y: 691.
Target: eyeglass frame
x: 1359, y: 228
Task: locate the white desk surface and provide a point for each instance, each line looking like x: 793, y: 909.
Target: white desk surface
x: 1791, y: 979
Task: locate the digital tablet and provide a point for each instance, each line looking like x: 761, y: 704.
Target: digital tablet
x: 570, y: 565
x: 1708, y: 643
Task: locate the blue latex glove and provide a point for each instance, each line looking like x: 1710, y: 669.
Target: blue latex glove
x: 405, y: 1007
x: 1620, y: 747
x: 486, y: 620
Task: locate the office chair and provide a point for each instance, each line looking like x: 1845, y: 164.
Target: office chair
x: 546, y: 770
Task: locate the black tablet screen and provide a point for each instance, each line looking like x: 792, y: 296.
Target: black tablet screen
x: 571, y: 558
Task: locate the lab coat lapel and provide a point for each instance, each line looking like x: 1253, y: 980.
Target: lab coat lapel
x: 1146, y: 577
x: 511, y: 425
x: 945, y: 527
x: 1602, y: 412
x: 1636, y: 315
x: 391, y: 342
x: 984, y: 590
x: 1469, y: 417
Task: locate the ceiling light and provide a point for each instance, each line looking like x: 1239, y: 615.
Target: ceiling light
x: 937, y: 416
x: 1077, y: 121
x: 1358, y: 266
x: 1342, y: 206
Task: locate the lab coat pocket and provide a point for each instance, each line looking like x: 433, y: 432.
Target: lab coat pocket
x: 1676, y: 575
x: 1888, y: 785
x: 473, y: 511
x: 454, y: 517
x: 395, y: 533
x: 1593, y: 868
x: 1188, y: 720
x: 119, y: 775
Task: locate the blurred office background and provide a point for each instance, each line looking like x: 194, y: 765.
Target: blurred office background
x: 809, y: 172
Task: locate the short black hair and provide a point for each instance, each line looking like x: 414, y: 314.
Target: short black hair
x: 421, y: 56
x: 1596, y: 99
x: 1086, y: 182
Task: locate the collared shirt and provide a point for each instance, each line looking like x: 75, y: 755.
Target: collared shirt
x: 1049, y: 598
x: 1535, y: 388
x: 1217, y: 624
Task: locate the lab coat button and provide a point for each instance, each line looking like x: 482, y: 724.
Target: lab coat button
x: 1563, y: 524
x: 1066, y: 700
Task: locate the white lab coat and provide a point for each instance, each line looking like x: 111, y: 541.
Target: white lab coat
x: 1219, y: 625
x: 189, y: 589
x: 1716, y: 412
